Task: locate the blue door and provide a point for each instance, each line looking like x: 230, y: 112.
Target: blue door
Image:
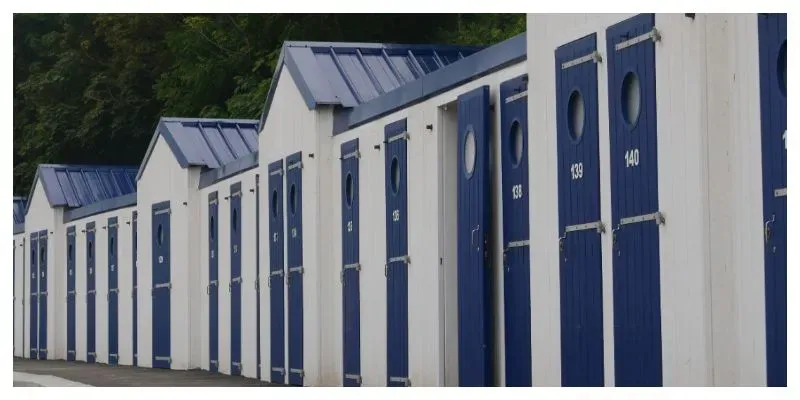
x: 276, y: 272
x: 294, y: 263
x: 42, y: 295
x: 113, y: 293
x: 71, y: 293
x: 634, y: 201
x: 580, y: 228
x: 91, y: 295
x: 34, y: 318
x: 212, y: 290
x: 134, y: 292
x: 397, y: 259
x: 258, y: 278
x: 349, y: 276
x: 235, y: 286
x: 772, y: 66
x: 516, y: 231
x: 474, y: 211
x: 160, y: 291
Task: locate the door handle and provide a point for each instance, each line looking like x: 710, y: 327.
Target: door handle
x: 767, y: 229
x: 472, y: 236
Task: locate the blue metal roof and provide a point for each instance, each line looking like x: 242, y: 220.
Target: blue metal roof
x: 80, y: 185
x: 349, y: 74
x: 19, y: 209
x: 209, y: 143
x: 484, y: 62
x: 107, y: 205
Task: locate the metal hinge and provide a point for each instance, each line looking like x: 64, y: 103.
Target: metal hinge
x: 355, y: 266
x: 167, y: 359
x: 780, y: 192
x: 278, y: 369
x: 298, y: 165
x: 354, y: 377
x: 654, y: 34
x: 400, y: 379
x: 517, y: 96
x: 593, y: 56
x: 399, y: 136
x: 164, y: 211
x: 278, y: 171
x: 297, y: 371
x: 656, y: 216
x: 353, y: 154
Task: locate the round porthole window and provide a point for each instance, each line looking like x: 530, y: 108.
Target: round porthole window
x: 576, y: 114
x: 211, y: 229
x: 235, y: 219
x: 348, y: 190
x: 274, y: 203
x: 517, y: 143
x: 91, y: 252
x: 160, y: 236
x: 470, y: 153
x: 42, y: 254
x: 111, y: 245
x: 292, y: 199
x: 631, y: 98
x: 395, y: 174
x: 69, y: 252
x: 782, y: 68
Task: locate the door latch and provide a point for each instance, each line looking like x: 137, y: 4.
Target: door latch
x: 768, y: 228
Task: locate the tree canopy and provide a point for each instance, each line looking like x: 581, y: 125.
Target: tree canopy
x: 89, y: 88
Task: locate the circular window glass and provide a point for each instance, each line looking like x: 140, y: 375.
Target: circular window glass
x: 576, y: 114
x: 395, y: 174
x: 631, y: 98
x: 348, y: 189
x: 782, y: 68
x: 211, y: 230
x: 274, y: 203
x: 69, y: 252
x: 517, y: 143
x: 91, y: 252
x: 42, y: 254
x: 111, y: 245
x: 160, y: 235
x: 292, y: 199
x: 235, y: 219
x: 470, y: 153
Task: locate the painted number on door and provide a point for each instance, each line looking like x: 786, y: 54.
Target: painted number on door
x: 516, y: 192
x: 631, y: 158
x: 275, y: 237
x: 576, y: 170
x: 784, y: 139
x: 396, y: 215
x: 349, y: 226
x: 294, y: 232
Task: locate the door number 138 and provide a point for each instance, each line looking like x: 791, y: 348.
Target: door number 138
x: 516, y: 192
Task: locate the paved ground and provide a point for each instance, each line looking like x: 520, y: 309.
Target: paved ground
x: 104, y: 375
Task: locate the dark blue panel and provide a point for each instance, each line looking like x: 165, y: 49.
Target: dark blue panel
x: 113, y: 292
x: 71, y: 293
x: 229, y: 170
x: 772, y: 67
x: 91, y: 293
x: 161, y: 285
x: 235, y: 286
x: 294, y: 263
x: 276, y: 273
x: 258, y: 276
x: 580, y: 257
x: 351, y: 299
x: 20, y: 203
x: 34, y: 285
x: 634, y: 192
x: 100, y: 207
x: 134, y: 292
x: 475, y: 312
x: 81, y: 185
x: 43, y: 272
x: 516, y: 232
x: 397, y: 260
x: 212, y: 290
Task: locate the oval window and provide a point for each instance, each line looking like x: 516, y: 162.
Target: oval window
x: 111, y: 245
x: 235, y: 220
x: 348, y: 190
x: 42, y: 254
x: 160, y: 235
x: 470, y: 153
x: 576, y: 114
x: 631, y: 98
x: 69, y: 252
x: 91, y: 250
x: 274, y: 203
x: 782, y: 68
x: 211, y: 230
x: 517, y: 143
x: 395, y: 175
x: 292, y: 199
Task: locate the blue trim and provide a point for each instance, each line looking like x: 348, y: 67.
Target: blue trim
x: 100, y: 207
x: 19, y: 228
x: 228, y: 170
x: 396, y: 128
x: 482, y: 63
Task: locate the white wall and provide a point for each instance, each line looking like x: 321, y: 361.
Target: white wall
x: 20, y: 251
x: 735, y: 200
x: 248, y: 220
x: 41, y: 217
x: 430, y: 303
x: 290, y: 127
x: 162, y: 180
x: 683, y: 198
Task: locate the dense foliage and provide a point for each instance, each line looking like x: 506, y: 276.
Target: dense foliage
x: 89, y: 88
